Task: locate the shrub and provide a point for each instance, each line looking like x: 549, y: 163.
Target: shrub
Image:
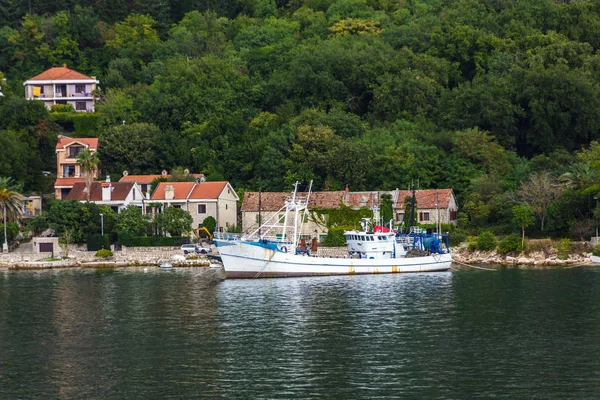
x: 472, y: 242
x: 457, y: 237
x: 486, y: 241
x: 12, y: 230
x: 335, y: 237
x: 564, y: 248
x: 59, y: 108
x: 104, y: 253
x: 150, y: 241
x: 596, y: 250
x: 97, y: 242
x: 510, y: 243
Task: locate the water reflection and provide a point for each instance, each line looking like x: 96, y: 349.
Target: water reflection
x: 170, y: 334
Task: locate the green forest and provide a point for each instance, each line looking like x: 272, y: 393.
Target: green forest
x: 496, y: 99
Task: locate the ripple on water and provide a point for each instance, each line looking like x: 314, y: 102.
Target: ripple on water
x: 168, y: 334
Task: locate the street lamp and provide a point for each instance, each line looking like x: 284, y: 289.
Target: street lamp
x: 102, y: 223
x: 5, y: 244
x: 595, y: 217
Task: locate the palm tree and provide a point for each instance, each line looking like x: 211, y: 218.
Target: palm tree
x: 88, y: 161
x: 11, y: 205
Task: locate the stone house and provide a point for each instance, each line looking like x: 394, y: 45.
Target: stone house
x: 431, y: 203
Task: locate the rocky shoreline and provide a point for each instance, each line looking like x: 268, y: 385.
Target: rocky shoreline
x: 148, y: 257
x: 540, y: 259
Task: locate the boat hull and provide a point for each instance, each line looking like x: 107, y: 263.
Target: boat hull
x: 250, y: 260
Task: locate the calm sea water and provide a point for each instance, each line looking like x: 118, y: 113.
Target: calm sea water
x: 100, y: 334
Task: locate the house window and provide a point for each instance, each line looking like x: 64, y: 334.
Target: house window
x: 259, y: 219
x: 226, y: 224
x: 281, y: 218
x: 68, y: 171
x: 79, y: 88
x: 424, y: 216
x: 226, y: 206
x: 201, y: 208
x: 74, y: 150
x: 133, y: 195
x: 453, y: 215
x: 38, y: 91
x: 80, y: 106
x: 399, y: 217
x: 176, y: 205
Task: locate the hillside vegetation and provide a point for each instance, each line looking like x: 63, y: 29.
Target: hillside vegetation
x: 496, y: 99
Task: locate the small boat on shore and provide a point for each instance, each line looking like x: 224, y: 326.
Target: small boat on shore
x: 369, y: 251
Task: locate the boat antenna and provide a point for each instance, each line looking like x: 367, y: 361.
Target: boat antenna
x: 259, y: 211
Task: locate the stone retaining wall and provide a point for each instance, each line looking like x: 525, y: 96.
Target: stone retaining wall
x: 130, y: 256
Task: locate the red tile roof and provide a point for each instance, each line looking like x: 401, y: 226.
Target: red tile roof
x: 426, y: 198
x: 181, y: 190
x: 60, y: 74
x: 208, y: 190
x: 148, y: 178
x: 119, y: 192
x: 67, y: 182
x: 63, y: 142
x: 273, y: 201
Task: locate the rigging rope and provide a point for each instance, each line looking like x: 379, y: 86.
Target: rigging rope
x: 472, y: 266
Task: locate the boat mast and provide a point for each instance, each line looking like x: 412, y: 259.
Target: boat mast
x: 297, y: 234
x: 412, y: 208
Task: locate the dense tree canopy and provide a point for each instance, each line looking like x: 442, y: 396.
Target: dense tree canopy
x: 476, y: 95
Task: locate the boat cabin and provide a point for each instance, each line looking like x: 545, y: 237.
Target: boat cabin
x: 373, y: 245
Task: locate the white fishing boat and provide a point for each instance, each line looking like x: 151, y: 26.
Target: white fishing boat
x: 273, y: 251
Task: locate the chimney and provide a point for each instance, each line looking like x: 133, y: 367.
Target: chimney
x: 169, y: 192
x: 64, y: 65
x: 106, y: 189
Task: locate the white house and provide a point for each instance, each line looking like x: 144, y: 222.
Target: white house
x: 201, y: 200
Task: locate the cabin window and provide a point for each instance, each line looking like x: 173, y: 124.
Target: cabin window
x: 201, y: 208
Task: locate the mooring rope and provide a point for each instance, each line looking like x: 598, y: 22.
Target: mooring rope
x: 472, y: 266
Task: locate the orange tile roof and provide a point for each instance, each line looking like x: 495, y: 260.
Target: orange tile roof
x: 181, y: 190
x: 426, y: 198
x: 148, y: 178
x: 60, y: 73
x: 208, y: 190
x: 67, y: 182
x: 63, y: 142
x: 118, y: 193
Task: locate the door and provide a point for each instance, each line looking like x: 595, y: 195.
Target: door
x: 47, y: 248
